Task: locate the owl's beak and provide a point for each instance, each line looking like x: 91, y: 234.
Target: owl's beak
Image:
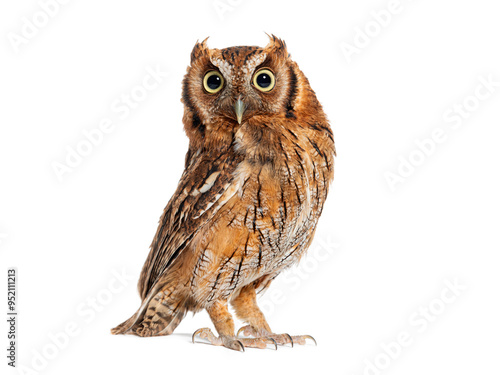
x: 239, y: 109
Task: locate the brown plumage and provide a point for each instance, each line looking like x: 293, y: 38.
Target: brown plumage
x: 256, y: 176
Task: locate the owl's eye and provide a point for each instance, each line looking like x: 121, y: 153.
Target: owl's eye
x: 264, y: 80
x: 213, y: 81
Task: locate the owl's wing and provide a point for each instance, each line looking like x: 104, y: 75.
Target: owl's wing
x: 207, y: 183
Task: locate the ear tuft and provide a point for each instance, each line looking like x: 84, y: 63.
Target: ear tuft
x: 276, y: 46
x: 199, y: 49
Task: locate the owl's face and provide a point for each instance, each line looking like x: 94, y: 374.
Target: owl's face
x: 231, y: 85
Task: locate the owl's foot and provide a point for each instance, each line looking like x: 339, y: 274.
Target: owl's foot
x: 280, y: 339
x: 228, y: 342
x: 232, y: 342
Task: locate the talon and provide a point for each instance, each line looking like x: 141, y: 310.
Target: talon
x: 241, y: 345
x: 290, y: 337
x: 195, y: 333
x: 275, y: 343
x: 312, y: 338
x: 241, y: 329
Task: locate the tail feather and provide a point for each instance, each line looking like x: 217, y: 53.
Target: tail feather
x: 160, y: 313
x: 123, y: 328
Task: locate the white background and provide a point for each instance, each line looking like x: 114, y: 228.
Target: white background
x: 380, y: 254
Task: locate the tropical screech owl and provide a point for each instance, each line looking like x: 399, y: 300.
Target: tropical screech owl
x: 256, y: 176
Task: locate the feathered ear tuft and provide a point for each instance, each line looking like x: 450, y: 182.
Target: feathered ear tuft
x: 277, y: 45
x: 199, y: 49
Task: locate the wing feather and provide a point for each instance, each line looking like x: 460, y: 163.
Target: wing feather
x: 206, y: 185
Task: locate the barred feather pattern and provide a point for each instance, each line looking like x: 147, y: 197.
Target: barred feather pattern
x: 251, y: 194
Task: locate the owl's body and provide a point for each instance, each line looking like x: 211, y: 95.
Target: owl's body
x: 256, y: 178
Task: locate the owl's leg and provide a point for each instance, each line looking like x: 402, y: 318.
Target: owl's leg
x: 245, y: 305
x: 223, y: 322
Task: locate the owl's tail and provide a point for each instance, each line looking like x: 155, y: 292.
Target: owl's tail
x: 160, y: 313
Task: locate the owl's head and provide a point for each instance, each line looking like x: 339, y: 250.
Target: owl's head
x: 224, y: 88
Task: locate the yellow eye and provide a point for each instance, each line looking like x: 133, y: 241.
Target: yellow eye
x: 213, y: 81
x: 264, y: 80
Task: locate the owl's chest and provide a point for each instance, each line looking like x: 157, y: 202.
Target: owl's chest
x: 281, y: 199
x: 305, y: 192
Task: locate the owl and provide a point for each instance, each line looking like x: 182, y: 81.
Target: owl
x: 257, y: 173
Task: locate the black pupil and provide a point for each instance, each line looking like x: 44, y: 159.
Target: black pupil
x: 264, y: 80
x: 213, y: 82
